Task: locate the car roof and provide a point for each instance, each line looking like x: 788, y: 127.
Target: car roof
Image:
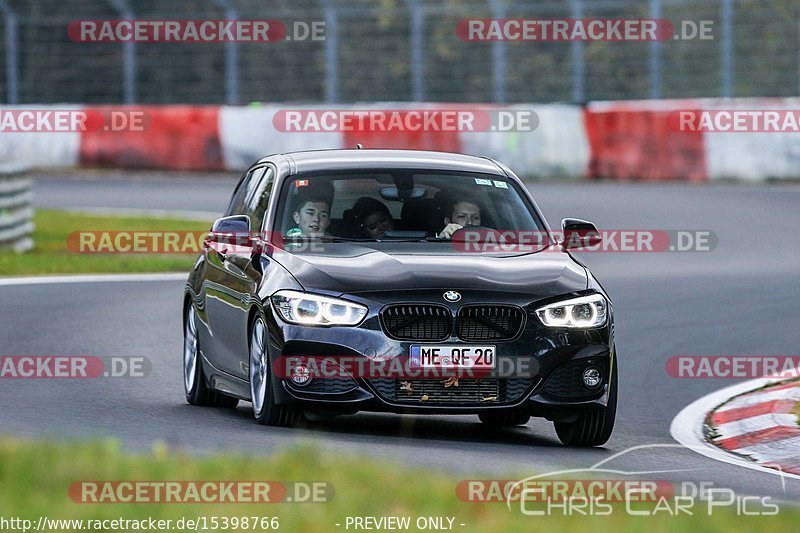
x: 316, y: 160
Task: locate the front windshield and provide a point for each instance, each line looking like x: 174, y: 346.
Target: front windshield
x: 380, y: 206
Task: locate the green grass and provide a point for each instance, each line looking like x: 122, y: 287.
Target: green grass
x: 52, y: 256
x: 35, y: 478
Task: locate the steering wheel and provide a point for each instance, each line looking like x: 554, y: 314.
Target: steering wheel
x: 460, y: 235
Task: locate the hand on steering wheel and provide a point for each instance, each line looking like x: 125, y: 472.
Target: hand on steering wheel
x: 448, y: 231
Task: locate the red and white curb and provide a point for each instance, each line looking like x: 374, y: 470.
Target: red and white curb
x: 761, y: 425
x: 750, y: 424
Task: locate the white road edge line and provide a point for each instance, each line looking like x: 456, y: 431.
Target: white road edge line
x: 687, y: 426
x: 93, y: 278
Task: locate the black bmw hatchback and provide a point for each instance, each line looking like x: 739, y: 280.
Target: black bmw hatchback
x: 402, y: 281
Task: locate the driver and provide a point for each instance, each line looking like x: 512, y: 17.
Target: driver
x: 459, y: 213
x: 313, y: 211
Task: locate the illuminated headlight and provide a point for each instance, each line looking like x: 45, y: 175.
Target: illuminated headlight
x: 583, y: 312
x: 315, y: 310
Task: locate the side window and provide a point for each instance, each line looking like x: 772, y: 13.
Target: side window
x: 258, y: 201
x: 236, y: 206
x: 252, y: 185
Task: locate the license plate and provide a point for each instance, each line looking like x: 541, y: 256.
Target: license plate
x: 452, y: 356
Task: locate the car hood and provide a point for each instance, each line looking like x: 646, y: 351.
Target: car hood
x: 355, y: 267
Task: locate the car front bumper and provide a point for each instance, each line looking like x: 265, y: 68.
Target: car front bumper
x: 549, y: 384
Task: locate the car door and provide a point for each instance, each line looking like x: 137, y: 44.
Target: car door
x: 232, y: 278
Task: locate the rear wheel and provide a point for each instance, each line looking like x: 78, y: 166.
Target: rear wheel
x: 194, y: 380
x: 505, y: 418
x: 592, y: 428
x: 265, y: 410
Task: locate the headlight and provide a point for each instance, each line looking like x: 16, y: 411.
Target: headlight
x: 315, y: 310
x: 583, y: 312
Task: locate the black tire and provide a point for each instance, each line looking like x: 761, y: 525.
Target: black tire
x: 198, y: 392
x: 265, y: 410
x: 505, y: 418
x: 593, y: 428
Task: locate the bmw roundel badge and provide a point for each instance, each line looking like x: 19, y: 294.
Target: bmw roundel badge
x: 452, y: 296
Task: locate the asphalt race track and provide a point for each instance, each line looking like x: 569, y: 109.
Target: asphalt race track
x: 735, y: 300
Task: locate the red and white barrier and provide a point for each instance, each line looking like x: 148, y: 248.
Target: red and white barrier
x: 762, y: 425
x: 756, y: 156
x: 248, y: 134
x: 170, y: 137
x: 635, y: 141
x: 605, y: 140
x: 38, y: 148
x: 557, y: 148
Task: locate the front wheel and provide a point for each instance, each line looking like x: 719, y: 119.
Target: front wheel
x: 593, y: 428
x: 265, y: 410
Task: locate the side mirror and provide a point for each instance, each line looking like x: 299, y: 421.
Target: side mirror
x: 230, y: 233
x: 579, y: 234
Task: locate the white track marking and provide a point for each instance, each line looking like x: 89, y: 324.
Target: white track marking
x: 93, y: 278
x: 755, y: 423
x: 747, y: 401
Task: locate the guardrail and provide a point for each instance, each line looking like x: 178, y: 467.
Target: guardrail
x: 16, y: 209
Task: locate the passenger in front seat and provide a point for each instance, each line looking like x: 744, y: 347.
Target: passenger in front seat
x: 372, y: 217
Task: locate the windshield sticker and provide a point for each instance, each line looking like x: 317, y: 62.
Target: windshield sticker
x: 500, y: 184
x: 301, y: 183
x: 481, y: 181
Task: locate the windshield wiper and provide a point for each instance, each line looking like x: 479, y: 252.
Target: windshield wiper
x: 323, y: 238
x: 330, y: 238
x: 400, y: 240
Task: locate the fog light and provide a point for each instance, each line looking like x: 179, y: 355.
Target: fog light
x: 300, y: 375
x: 592, y: 378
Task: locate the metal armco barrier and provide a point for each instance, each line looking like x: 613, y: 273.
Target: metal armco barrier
x: 16, y: 209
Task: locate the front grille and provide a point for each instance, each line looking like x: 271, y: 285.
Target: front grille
x: 417, y: 322
x: 489, y: 322
x: 468, y: 391
x: 437, y: 392
x: 566, y: 381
